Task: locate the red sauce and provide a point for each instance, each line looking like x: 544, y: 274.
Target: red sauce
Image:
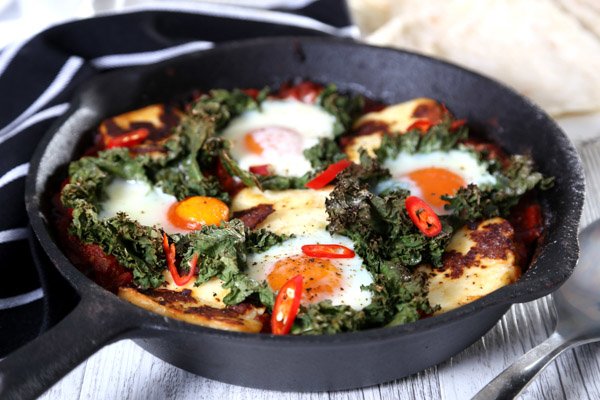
x: 306, y: 92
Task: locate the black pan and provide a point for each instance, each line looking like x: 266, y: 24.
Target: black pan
x: 313, y: 363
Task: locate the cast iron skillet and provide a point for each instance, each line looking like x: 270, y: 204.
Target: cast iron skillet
x: 312, y: 363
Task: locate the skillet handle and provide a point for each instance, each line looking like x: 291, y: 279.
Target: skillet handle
x: 31, y: 370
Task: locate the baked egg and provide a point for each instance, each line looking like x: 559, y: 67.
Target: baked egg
x: 150, y: 206
x: 277, y: 134
x: 431, y: 175
x: 341, y: 280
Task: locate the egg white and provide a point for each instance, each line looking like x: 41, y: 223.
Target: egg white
x: 311, y: 121
x: 354, y: 274
x: 141, y: 202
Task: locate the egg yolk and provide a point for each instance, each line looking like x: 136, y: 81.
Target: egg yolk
x: 435, y: 182
x: 274, y: 138
x: 197, y: 211
x: 321, y: 278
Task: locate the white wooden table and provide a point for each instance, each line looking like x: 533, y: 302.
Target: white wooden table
x: 125, y: 371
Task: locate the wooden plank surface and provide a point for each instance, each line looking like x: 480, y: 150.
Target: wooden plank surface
x: 124, y: 371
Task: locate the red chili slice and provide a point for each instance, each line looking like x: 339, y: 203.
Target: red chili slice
x: 454, y: 125
x: 327, y: 251
x: 251, y: 92
x: 128, y: 139
x: 321, y: 180
x: 423, y: 216
x: 286, y: 306
x: 170, y: 254
x: 262, y: 170
x: 422, y: 125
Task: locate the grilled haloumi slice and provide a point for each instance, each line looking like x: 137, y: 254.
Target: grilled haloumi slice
x: 476, y: 262
x: 393, y: 119
x: 296, y: 211
x: 182, y: 305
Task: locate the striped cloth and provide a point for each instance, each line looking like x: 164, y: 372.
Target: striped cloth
x: 39, y: 76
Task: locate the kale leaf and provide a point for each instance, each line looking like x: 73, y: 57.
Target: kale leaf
x: 438, y: 138
x: 367, y: 173
x: 379, y: 226
x: 220, y: 106
x: 520, y: 176
x: 396, y: 300
x: 390, y: 246
x: 178, y: 170
x: 193, y: 146
x: 233, y: 169
x: 324, y: 153
x: 325, y: 318
x: 136, y: 247
x: 261, y: 240
x: 182, y: 181
x: 474, y: 202
x: 344, y: 108
x: 222, y: 253
x: 266, y: 296
x: 218, y: 147
x: 89, y: 176
x: 278, y: 182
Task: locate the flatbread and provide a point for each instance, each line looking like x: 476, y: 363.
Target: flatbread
x: 370, y: 15
x: 586, y: 11
x: 535, y: 46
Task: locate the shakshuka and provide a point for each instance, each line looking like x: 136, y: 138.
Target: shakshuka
x: 301, y: 210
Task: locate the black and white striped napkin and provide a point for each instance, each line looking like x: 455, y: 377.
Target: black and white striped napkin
x: 39, y: 76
